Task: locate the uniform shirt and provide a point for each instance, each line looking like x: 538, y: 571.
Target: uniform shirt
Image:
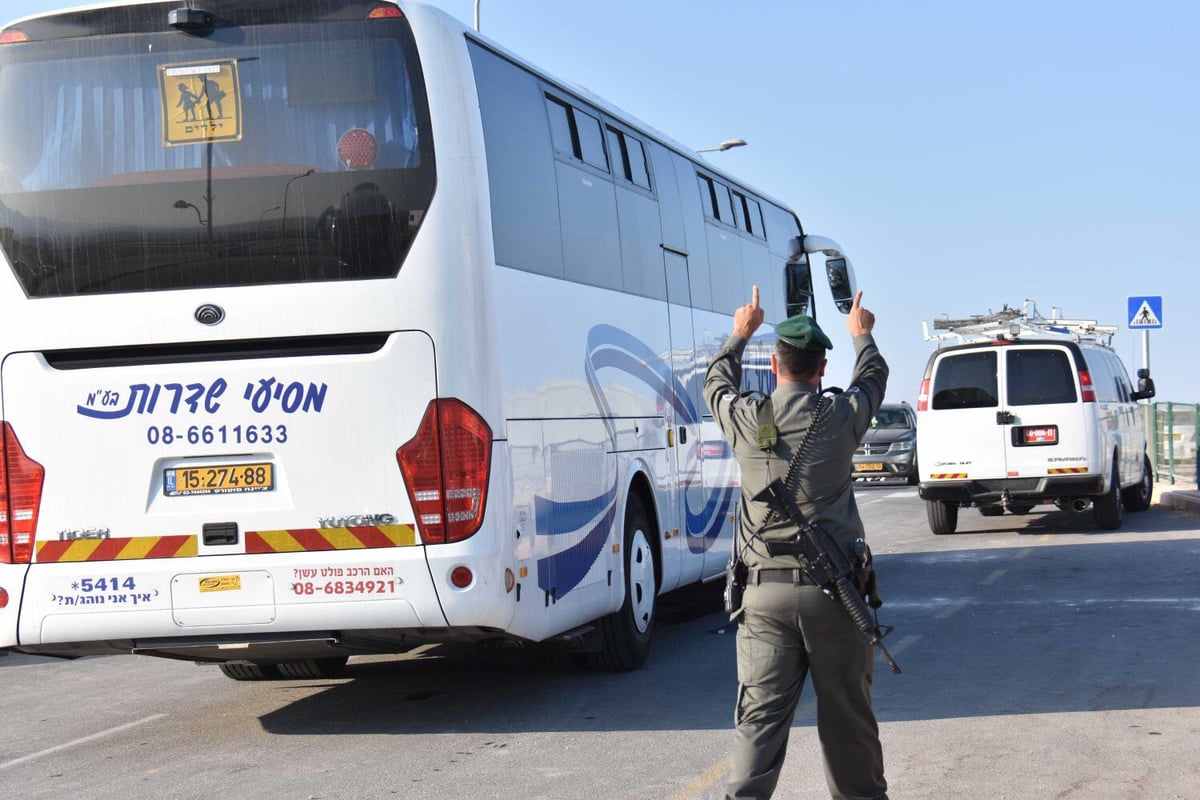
x: 825, y: 493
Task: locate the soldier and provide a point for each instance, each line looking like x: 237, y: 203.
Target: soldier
x: 790, y: 627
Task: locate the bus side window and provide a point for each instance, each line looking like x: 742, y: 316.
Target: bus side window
x: 708, y: 196
x: 560, y: 127
x: 576, y: 133
x: 637, y: 162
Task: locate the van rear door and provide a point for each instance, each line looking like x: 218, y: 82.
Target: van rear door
x: 1046, y: 419
x: 959, y: 437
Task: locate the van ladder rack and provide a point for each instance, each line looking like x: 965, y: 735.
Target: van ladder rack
x: 1012, y: 324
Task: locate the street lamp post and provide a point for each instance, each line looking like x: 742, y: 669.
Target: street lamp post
x: 286, y: 187
x: 728, y: 144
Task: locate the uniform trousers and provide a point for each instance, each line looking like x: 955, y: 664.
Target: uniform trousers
x: 788, y: 631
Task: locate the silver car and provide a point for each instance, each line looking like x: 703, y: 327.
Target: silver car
x: 889, y: 447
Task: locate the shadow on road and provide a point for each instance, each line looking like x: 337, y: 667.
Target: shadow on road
x: 1104, y: 623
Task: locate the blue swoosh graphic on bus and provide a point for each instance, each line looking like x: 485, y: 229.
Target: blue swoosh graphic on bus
x: 609, y: 347
x: 613, y: 347
x: 559, y: 518
x: 563, y: 571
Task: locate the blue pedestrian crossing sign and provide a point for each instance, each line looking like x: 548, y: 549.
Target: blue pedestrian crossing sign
x: 1145, y: 312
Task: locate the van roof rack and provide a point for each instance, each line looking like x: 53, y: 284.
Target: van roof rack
x: 1010, y: 324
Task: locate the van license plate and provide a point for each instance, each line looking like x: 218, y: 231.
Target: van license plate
x: 218, y: 479
x: 873, y: 466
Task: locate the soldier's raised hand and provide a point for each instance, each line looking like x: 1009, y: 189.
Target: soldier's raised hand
x: 747, y: 318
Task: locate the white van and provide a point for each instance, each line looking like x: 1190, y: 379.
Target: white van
x: 1009, y: 422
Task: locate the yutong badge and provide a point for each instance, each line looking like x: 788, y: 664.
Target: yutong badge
x: 201, y: 102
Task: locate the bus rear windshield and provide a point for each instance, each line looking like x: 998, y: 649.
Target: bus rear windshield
x: 277, y: 153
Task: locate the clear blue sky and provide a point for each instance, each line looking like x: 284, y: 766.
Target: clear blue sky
x: 966, y: 155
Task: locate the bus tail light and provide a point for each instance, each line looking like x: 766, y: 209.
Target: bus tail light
x: 1085, y: 386
x: 446, y: 467
x: 20, y: 499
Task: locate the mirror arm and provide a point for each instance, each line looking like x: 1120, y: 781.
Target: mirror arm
x: 822, y: 244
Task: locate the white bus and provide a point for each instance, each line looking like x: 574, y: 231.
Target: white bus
x: 329, y: 327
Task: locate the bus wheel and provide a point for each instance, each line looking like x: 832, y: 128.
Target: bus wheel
x: 942, y: 516
x: 313, y: 668
x: 1106, y: 510
x: 625, y: 635
x: 241, y: 671
x: 1137, y: 497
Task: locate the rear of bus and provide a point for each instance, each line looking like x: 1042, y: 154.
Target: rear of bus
x: 222, y: 427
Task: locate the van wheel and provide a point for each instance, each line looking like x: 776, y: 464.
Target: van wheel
x: 625, y: 635
x: 241, y: 671
x: 942, y: 516
x: 1137, y: 498
x: 313, y: 668
x: 1106, y: 509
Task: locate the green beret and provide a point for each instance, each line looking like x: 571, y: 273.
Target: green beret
x: 803, y: 332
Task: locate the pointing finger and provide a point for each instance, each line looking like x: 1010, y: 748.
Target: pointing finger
x: 857, y: 299
x: 754, y: 297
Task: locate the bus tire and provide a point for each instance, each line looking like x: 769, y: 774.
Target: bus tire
x: 625, y: 634
x: 313, y: 668
x: 241, y: 671
x: 1137, y: 497
x: 942, y: 516
x: 1106, y: 509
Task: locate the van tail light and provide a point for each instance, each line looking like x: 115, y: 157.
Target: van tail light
x: 1085, y: 386
x: 446, y: 468
x: 923, y: 396
x: 20, y: 499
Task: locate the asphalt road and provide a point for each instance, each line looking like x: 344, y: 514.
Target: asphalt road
x: 1042, y: 659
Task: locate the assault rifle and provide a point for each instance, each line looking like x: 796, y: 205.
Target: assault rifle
x: 825, y: 564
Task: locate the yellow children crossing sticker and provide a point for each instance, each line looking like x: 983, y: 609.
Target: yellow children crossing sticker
x: 200, y: 102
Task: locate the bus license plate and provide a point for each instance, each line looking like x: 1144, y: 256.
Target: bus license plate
x: 873, y: 466
x: 218, y: 479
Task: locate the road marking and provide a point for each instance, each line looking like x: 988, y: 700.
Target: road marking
x: 942, y: 603
x: 904, y: 644
x: 84, y: 740
x: 705, y: 780
x: 1023, y: 553
x: 954, y: 608
x: 995, y: 576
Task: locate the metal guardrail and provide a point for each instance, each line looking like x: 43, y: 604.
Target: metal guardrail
x: 1173, y: 430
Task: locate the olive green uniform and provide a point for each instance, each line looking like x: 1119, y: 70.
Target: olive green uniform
x: 790, y: 628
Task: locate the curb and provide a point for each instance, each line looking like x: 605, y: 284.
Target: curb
x: 1181, y: 498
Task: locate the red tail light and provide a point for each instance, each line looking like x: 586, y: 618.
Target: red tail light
x: 446, y: 468
x: 20, y: 498
x: 923, y: 396
x: 1085, y: 386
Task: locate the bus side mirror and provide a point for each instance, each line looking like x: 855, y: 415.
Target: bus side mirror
x: 841, y: 282
x: 1145, y: 388
x: 797, y: 279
